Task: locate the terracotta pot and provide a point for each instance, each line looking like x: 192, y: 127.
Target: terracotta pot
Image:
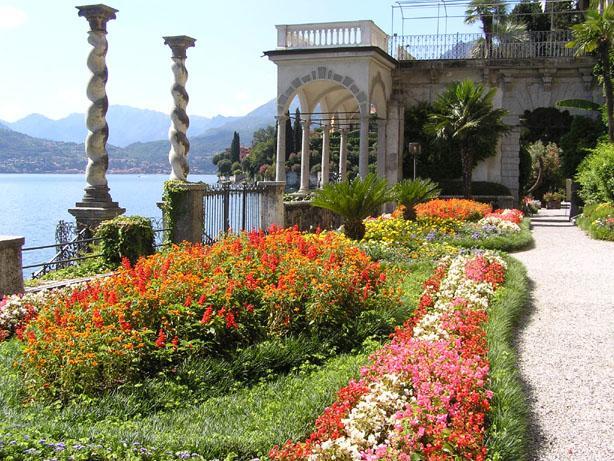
x: 553, y: 205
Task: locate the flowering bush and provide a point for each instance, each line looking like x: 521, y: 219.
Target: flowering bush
x: 508, y: 214
x: 17, y: 310
x: 459, y: 209
x: 497, y: 225
x: 424, y: 395
x: 199, y: 300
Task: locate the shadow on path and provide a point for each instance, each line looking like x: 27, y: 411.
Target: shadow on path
x: 535, y: 434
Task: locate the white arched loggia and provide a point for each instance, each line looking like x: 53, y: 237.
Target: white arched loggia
x: 324, y: 87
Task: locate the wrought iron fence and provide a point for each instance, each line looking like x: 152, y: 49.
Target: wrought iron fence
x: 74, y: 245
x: 546, y: 44
x: 231, y: 207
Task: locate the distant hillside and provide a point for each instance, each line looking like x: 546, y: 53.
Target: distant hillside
x: 36, y: 144
x: 214, y: 140
x: 127, y: 125
x: 20, y: 153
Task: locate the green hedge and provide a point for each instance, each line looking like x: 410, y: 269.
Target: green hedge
x: 455, y: 187
x: 593, y: 221
x: 506, y: 436
x: 509, y: 242
x: 125, y: 237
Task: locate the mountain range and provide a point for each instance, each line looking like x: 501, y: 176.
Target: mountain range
x: 137, y: 140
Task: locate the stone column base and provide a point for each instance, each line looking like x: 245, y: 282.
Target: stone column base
x: 272, y: 204
x: 185, y: 223
x: 90, y: 217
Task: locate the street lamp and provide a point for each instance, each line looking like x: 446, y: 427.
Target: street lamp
x: 414, y: 149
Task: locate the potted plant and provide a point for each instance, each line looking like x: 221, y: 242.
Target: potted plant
x: 553, y: 200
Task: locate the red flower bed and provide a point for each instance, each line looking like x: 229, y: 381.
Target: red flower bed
x: 420, y: 398
x: 199, y: 300
x: 459, y: 209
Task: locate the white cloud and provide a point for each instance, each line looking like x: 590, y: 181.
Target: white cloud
x: 11, y: 17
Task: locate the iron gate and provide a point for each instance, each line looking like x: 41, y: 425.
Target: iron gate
x: 231, y: 208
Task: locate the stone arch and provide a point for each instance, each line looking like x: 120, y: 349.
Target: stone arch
x: 322, y: 73
x: 377, y: 96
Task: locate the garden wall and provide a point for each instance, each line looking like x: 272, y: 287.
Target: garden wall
x: 306, y: 216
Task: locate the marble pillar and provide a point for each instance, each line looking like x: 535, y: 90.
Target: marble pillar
x: 280, y: 162
x: 96, y: 205
x: 177, y: 133
x: 305, y: 154
x: 343, y: 154
x: 363, y: 155
x: 325, y: 155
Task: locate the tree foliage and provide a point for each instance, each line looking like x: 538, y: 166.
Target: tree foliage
x: 464, y: 116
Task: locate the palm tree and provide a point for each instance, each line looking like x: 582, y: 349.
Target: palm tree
x: 485, y: 11
x: 464, y: 115
x: 411, y: 192
x: 354, y: 200
x: 507, y: 34
x: 595, y: 35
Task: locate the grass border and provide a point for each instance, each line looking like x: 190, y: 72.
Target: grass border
x: 509, y: 243
x: 507, y: 421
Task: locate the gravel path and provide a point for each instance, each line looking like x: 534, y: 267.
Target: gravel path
x: 566, y: 344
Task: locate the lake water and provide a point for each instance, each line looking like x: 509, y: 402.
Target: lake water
x: 32, y: 204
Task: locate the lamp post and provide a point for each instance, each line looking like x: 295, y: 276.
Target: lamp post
x: 414, y: 149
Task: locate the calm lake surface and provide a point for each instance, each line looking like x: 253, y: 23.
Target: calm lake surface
x: 32, y: 204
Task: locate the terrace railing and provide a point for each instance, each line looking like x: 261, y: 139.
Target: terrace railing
x: 547, y: 44
x: 331, y: 35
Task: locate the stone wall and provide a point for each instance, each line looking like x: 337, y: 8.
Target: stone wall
x: 308, y: 217
x: 522, y: 84
x: 11, y: 276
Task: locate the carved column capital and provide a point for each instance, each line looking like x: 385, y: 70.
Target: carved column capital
x: 179, y: 44
x: 97, y: 16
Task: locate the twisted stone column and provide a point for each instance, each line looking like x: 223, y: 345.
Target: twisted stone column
x: 97, y: 204
x: 180, y: 146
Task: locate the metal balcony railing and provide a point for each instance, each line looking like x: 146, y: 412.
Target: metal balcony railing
x: 547, y: 44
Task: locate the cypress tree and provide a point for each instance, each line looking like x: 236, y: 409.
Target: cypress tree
x: 298, y: 131
x: 235, y: 148
x: 289, y: 136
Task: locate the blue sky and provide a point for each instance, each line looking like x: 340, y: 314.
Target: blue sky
x: 43, y: 51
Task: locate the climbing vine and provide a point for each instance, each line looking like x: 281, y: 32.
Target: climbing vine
x: 173, y: 193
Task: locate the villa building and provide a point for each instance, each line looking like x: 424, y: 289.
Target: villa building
x: 345, y: 73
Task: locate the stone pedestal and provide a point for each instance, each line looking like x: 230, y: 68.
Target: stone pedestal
x: 185, y: 222
x: 95, y: 207
x: 11, y: 275
x: 272, y: 204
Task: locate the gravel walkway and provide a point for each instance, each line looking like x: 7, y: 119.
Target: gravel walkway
x: 566, y: 344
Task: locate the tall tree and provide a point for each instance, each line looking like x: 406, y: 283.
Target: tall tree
x: 235, y: 148
x: 595, y: 35
x: 298, y: 131
x: 464, y: 116
x: 530, y: 12
x: 485, y: 11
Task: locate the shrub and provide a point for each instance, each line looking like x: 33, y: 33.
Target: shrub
x: 598, y: 221
x: 460, y: 209
x: 203, y: 301
x: 409, y: 193
x: 596, y: 175
x: 125, y: 237
x: 354, y: 200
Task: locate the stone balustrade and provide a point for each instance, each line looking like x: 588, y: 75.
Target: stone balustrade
x: 331, y: 34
